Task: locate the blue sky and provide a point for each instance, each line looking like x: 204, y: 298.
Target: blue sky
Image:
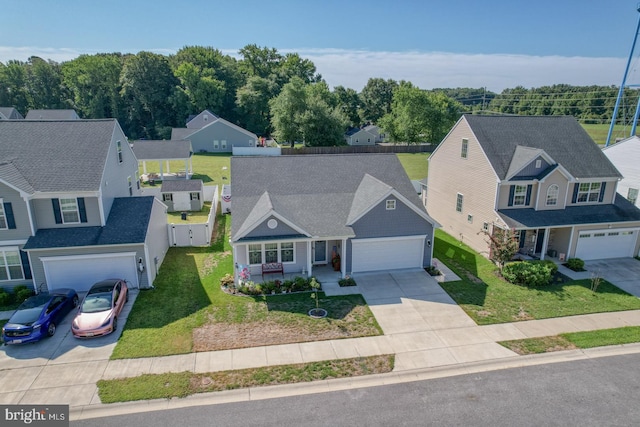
x: 433, y: 43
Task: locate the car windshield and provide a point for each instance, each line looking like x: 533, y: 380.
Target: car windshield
x: 94, y: 303
x: 26, y: 316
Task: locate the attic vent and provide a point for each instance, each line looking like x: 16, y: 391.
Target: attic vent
x: 205, y: 117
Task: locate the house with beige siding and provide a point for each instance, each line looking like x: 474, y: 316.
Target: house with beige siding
x: 540, y: 176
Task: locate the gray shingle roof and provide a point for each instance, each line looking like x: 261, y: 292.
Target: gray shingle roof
x: 127, y: 223
x: 52, y: 115
x: 162, y: 150
x: 55, y: 155
x: 181, y: 133
x: 561, y: 137
x: 181, y: 185
x: 10, y: 113
x: 620, y: 211
x: 316, y: 193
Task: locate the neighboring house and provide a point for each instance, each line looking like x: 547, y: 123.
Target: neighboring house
x: 183, y: 195
x: 302, y: 210
x: 10, y: 113
x: 210, y: 133
x: 375, y: 130
x: 68, y: 217
x: 541, y: 176
x: 163, y: 152
x: 358, y: 136
x: 625, y: 156
x: 52, y: 115
x: 423, y: 191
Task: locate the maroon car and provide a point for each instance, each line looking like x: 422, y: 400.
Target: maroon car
x: 100, y: 308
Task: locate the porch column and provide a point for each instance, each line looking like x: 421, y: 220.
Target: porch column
x: 235, y: 257
x: 545, y: 243
x: 168, y: 168
x: 144, y: 167
x: 161, y: 173
x: 309, y: 260
x: 343, y: 264
x: 186, y: 169
x: 190, y: 165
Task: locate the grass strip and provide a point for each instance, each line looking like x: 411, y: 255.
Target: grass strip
x: 573, y: 340
x: 182, y: 384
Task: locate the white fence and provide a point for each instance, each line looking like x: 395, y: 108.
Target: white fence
x: 196, y: 234
x: 256, y: 151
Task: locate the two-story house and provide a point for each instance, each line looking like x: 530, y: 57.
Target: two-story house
x: 541, y: 176
x: 69, y: 216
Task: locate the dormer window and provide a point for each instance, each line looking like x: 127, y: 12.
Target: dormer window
x: 464, y: 148
x: 519, y: 195
x: 391, y: 205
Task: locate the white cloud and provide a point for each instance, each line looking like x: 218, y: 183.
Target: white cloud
x: 352, y: 68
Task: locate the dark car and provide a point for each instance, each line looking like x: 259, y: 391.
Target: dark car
x: 38, y: 316
x: 98, y: 314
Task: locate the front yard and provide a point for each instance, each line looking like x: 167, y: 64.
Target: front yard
x: 187, y: 311
x: 489, y: 299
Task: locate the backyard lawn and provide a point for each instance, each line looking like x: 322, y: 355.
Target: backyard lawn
x: 208, y: 167
x: 187, y: 311
x: 415, y: 164
x: 488, y: 299
x: 192, y: 216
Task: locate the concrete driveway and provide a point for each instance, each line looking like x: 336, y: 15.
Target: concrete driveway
x: 30, y: 373
x: 622, y: 272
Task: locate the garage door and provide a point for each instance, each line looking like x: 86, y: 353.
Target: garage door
x: 600, y: 244
x: 387, y: 254
x: 81, y: 271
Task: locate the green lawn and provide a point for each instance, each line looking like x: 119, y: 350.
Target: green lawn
x: 599, y: 132
x: 208, y: 167
x: 489, y: 299
x: 569, y: 341
x: 415, y: 164
x: 192, y: 216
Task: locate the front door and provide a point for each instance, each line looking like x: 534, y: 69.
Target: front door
x: 320, y: 252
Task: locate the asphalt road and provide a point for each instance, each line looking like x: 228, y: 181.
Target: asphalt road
x: 595, y: 392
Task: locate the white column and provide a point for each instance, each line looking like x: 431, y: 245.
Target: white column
x: 343, y: 256
x: 161, y: 173
x: 545, y: 242
x: 144, y: 167
x: 168, y: 168
x: 309, y: 260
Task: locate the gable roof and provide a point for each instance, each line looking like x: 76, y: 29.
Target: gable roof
x: 52, y: 115
x: 201, y: 120
x: 127, y: 224
x: 55, y: 156
x: 561, y: 137
x: 181, y: 185
x: 199, y: 125
x: 319, y: 193
x: 162, y: 150
x: 10, y: 113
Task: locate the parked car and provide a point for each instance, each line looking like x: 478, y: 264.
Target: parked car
x: 38, y: 316
x: 100, y: 308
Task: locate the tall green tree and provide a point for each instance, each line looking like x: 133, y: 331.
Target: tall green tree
x: 253, y: 104
x: 44, y: 82
x: 286, y: 110
x: 376, y: 98
x: 419, y: 116
x: 349, y: 103
x: 13, y: 81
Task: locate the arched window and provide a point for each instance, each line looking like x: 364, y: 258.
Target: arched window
x: 552, y: 195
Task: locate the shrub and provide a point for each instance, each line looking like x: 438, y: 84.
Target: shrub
x: 227, y: 280
x: 530, y: 273
x: 347, y: 281
x: 433, y: 271
x: 575, y: 264
x: 287, y: 285
x: 5, y: 298
x: 21, y: 293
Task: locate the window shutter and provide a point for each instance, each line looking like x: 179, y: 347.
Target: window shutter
x: 24, y: 258
x: 575, y: 192
x: 603, y: 186
x: 8, y: 213
x: 56, y: 210
x: 82, y: 209
x: 512, y: 191
x: 528, y: 199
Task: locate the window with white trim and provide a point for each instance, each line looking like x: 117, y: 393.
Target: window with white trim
x: 10, y: 265
x: 632, y: 195
x: 138, y: 180
x: 552, y: 195
x: 459, y: 200
x: 464, y: 149
x: 69, y: 211
x: 167, y: 197
x: 286, y: 252
x: 470, y: 219
x: 588, y: 192
x: 519, y: 195
x: 216, y: 144
x: 485, y: 226
x: 271, y: 252
x: 255, y: 253
x: 3, y: 217
x: 224, y: 144
x: 119, y: 150
x: 391, y: 204
x: 194, y: 196
x: 130, y: 185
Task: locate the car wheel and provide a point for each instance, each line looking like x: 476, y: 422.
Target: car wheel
x: 51, y: 329
x: 115, y: 324
x: 76, y: 301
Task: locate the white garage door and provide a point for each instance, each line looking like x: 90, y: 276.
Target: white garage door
x: 81, y: 271
x: 600, y: 244
x: 387, y: 253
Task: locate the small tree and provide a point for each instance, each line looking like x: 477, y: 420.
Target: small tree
x: 316, y: 287
x: 504, y: 245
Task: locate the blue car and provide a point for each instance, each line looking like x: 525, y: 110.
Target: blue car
x: 38, y: 316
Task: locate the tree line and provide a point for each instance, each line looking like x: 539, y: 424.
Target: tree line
x: 268, y: 93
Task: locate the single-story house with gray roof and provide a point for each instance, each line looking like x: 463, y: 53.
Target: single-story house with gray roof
x: 210, y: 133
x: 306, y: 211
x: 542, y: 177
x: 183, y: 195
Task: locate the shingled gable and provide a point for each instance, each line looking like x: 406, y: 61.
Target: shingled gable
x: 561, y: 137
x: 262, y: 210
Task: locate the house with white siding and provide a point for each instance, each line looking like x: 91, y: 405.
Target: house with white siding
x: 540, y: 176
x: 625, y: 155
